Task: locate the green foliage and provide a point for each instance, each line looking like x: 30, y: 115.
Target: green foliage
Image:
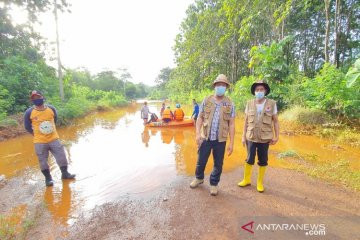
x: 328, y: 92
x: 19, y: 76
x: 241, y: 93
x: 82, y: 100
x: 353, y: 75
x: 279, y: 41
x: 270, y: 62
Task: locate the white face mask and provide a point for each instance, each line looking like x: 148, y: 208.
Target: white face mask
x: 220, y: 90
x: 259, y: 95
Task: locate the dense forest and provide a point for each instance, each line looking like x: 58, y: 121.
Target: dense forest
x: 23, y: 67
x: 303, y: 48
x: 306, y: 50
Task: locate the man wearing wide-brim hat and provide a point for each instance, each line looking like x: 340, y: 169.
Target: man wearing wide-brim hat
x: 215, y: 123
x: 261, y: 122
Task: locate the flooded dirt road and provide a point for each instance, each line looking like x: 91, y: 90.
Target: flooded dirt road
x: 132, y: 183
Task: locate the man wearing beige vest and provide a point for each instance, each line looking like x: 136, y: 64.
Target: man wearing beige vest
x: 216, y: 121
x: 261, y: 118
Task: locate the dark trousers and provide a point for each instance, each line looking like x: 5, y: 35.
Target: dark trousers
x: 218, y: 151
x: 262, y: 152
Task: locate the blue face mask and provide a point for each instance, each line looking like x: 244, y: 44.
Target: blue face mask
x: 259, y: 95
x: 38, y: 102
x: 220, y: 90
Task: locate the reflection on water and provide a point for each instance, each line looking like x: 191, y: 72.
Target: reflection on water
x: 58, y: 202
x: 113, y: 155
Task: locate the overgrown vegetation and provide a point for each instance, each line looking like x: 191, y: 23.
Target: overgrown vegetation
x: 302, y: 48
x: 334, y: 171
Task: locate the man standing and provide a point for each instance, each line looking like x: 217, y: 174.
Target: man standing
x: 195, y: 113
x: 145, y: 113
x: 162, y: 109
x: 39, y: 121
x: 215, y: 123
x: 261, y: 118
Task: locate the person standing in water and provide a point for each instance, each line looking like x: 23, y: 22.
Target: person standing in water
x: 162, y: 109
x: 145, y: 113
x: 39, y: 121
x: 195, y: 113
x: 260, y: 121
x: 216, y: 122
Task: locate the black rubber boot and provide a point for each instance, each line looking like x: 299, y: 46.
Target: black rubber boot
x: 48, y: 179
x: 65, y: 174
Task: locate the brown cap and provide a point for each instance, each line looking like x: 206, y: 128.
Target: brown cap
x: 221, y: 78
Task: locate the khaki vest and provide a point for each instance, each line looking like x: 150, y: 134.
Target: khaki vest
x: 260, y: 130
x: 225, y: 115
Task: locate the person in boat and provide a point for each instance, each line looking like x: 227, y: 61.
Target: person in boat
x: 178, y: 113
x: 195, y: 113
x: 167, y: 115
x: 153, y: 118
x: 145, y: 112
x: 260, y: 123
x: 39, y: 121
x: 216, y: 122
x: 162, y: 109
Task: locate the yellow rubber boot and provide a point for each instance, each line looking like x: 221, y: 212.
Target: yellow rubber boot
x: 247, y: 176
x: 260, y: 179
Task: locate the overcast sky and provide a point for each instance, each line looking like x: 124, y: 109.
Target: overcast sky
x: 111, y: 34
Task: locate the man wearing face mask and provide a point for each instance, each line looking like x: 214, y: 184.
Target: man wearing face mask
x: 216, y: 121
x: 39, y: 121
x: 261, y: 118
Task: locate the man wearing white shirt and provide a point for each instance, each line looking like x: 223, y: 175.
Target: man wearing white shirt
x: 261, y: 122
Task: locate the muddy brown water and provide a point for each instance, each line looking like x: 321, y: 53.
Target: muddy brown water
x: 114, y: 156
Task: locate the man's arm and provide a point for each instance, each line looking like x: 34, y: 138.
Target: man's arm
x: 244, y: 131
x: 55, y: 112
x: 276, y: 128
x: 27, y: 121
x: 232, y: 135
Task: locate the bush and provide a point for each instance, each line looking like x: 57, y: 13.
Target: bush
x: 304, y: 115
x: 328, y: 92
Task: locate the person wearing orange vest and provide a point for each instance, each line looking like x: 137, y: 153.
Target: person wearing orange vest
x: 167, y: 115
x: 260, y: 122
x: 178, y: 113
x: 39, y: 121
x: 215, y: 123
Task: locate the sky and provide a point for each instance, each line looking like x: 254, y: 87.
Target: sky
x: 112, y: 34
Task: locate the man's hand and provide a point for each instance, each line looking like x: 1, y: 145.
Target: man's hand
x: 243, y: 140
x: 230, y: 149
x: 199, y: 140
x: 273, y: 141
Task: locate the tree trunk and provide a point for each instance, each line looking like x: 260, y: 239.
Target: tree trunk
x: 61, y: 85
x: 327, y: 29
x: 336, y: 47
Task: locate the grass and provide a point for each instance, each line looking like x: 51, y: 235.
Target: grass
x: 337, y: 172
x: 299, y: 120
x: 8, y: 122
x: 16, y: 224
